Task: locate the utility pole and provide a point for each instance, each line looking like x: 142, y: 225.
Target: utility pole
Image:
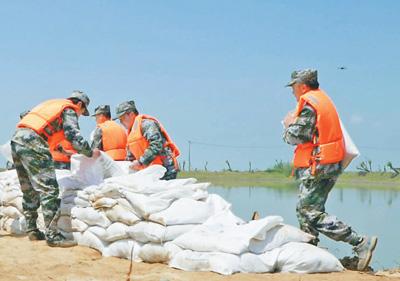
x: 190, y: 164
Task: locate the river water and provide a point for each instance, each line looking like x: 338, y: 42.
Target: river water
x: 372, y: 212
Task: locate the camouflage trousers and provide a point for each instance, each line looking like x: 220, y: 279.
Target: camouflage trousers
x: 312, y: 216
x: 36, y: 174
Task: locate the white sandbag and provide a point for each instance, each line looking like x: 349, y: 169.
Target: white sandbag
x: 180, y: 182
x: 194, y: 191
x: 71, y: 182
x: 78, y: 225
x: 65, y: 209
x: 233, y: 239
x: 126, y: 249
x: 16, y: 202
x: 188, y: 211
x: 154, y: 253
x: 88, y: 170
x: 124, y: 166
x: 145, y: 205
x: 90, y: 216
x: 174, y: 231
x: 172, y: 249
x: 5, y: 151
x: 13, y: 226
x: 88, y: 239
x: 75, y: 200
x: 146, y: 232
x: 195, y: 261
x: 224, y: 218
x: 10, y: 212
x: 9, y: 196
x: 64, y: 223
x: 116, y: 231
x: 251, y: 263
x: 306, y: 258
x: 120, y: 214
x: 278, y: 236
x: 109, y: 166
x: 104, y: 203
x: 100, y: 232
x: 351, y: 149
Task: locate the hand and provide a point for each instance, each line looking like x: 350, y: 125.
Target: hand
x: 135, y: 165
x: 289, y: 119
x: 96, y: 153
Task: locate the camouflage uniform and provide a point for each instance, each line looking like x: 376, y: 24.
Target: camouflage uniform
x: 97, y: 139
x: 151, y: 131
x: 36, y: 170
x: 314, y: 189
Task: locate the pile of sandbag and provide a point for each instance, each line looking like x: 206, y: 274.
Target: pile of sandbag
x: 138, y: 216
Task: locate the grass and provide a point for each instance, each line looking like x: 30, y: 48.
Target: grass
x: 281, y: 179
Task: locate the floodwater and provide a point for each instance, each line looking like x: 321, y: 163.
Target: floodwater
x: 371, y: 212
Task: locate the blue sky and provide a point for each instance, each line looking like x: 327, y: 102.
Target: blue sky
x: 210, y: 71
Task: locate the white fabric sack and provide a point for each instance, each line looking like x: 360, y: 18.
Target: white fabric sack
x: 195, y: 261
x: 78, y: 225
x: 74, y: 199
x: 5, y: 151
x: 13, y: 226
x: 146, y: 232
x: 174, y: 231
x: 189, y: 211
x: 227, y: 239
x: 90, y: 216
x: 154, y: 253
x: 16, y: 202
x: 145, y: 205
x: 194, y: 191
x: 104, y: 203
x: 123, y: 249
x: 351, y: 149
x: 88, y: 170
x: 251, y: 263
x: 305, y: 258
x: 110, y: 167
x: 278, y: 236
x: 9, y: 196
x: 10, y: 212
x: 120, y: 214
x: 172, y: 249
x: 116, y: 231
x: 90, y: 240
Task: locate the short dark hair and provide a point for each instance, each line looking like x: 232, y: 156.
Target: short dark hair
x: 75, y: 100
x: 314, y: 85
x: 106, y: 114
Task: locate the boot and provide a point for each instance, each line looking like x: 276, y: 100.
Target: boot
x: 36, y: 235
x: 364, y: 251
x: 59, y: 240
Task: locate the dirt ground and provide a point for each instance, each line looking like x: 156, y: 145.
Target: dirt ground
x: 21, y: 259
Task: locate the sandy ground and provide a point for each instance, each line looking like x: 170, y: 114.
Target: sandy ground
x: 21, y: 259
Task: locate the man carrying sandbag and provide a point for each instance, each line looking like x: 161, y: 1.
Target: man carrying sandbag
x: 45, y: 124
x: 148, y: 141
x: 315, y: 129
x: 109, y: 136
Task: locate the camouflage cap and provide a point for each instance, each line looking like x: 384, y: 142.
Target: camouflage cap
x: 124, y: 107
x: 83, y: 98
x: 102, y: 109
x: 306, y: 76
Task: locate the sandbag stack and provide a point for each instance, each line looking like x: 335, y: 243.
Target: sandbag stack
x: 137, y: 216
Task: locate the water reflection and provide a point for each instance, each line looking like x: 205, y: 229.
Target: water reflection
x: 373, y: 212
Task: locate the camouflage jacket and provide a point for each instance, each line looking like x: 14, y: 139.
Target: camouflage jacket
x: 152, y: 132
x: 97, y: 139
x: 302, y: 131
x: 71, y: 129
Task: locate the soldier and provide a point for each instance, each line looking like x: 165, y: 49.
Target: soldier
x: 148, y: 141
x: 109, y: 136
x: 315, y: 128
x: 34, y: 162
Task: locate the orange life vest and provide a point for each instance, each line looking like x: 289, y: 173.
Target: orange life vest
x: 114, y: 139
x: 41, y: 117
x: 137, y: 144
x: 330, y: 138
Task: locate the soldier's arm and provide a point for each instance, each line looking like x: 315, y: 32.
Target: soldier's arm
x: 97, y: 141
x: 73, y: 133
x: 302, y: 130
x: 152, y: 133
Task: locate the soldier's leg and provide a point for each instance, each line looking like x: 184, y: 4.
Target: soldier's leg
x: 312, y: 210
x: 31, y: 199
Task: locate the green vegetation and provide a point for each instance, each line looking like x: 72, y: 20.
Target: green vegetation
x: 281, y: 179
